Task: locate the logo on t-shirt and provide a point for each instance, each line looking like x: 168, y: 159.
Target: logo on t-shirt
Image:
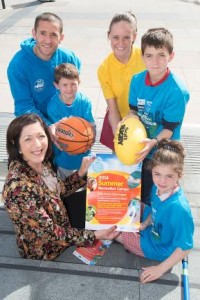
x: 39, y: 85
x: 147, y: 116
x: 156, y: 228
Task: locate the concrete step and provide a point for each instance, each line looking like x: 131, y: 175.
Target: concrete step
x: 34, y: 280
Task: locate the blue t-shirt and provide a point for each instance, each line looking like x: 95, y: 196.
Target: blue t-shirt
x: 31, y: 78
x: 56, y: 110
x: 164, y: 102
x: 172, y: 226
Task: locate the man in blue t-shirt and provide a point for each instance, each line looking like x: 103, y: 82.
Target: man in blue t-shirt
x: 31, y: 70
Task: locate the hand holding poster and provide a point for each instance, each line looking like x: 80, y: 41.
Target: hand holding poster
x: 113, y: 194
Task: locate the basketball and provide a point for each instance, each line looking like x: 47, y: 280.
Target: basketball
x: 127, y: 140
x: 75, y: 135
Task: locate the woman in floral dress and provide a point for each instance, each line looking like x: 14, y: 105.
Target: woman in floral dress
x: 32, y: 191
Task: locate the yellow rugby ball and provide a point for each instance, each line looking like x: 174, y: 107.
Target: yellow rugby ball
x: 127, y: 140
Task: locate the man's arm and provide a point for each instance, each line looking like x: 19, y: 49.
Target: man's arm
x: 20, y: 89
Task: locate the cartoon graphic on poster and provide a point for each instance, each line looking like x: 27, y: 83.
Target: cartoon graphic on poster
x: 113, y: 194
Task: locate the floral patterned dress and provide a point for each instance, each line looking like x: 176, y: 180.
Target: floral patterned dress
x: 40, y: 219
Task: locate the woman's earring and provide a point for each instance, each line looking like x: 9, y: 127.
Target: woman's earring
x: 20, y: 152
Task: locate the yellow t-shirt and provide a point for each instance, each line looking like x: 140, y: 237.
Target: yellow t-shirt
x: 115, y: 78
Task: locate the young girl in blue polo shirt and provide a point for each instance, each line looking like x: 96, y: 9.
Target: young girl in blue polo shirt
x: 166, y: 231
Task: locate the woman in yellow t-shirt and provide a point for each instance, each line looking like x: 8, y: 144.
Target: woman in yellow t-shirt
x: 116, y: 71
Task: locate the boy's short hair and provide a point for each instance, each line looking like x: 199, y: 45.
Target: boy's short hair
x: 158, y: 38
x: 50, y: 17
x: 66, y: 70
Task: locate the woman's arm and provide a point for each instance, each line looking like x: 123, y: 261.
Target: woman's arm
x: 41, y: 223
x: 154, y: 272
x: 77, y: 179
x: 107, y: 234
x: 114, y: 115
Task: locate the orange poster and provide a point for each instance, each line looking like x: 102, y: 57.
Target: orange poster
x: 113, y: 194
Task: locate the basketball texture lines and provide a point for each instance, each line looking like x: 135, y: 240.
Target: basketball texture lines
x: 75, y: 135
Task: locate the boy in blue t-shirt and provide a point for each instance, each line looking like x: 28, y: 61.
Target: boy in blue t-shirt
x: 70, y: 103
x: 157, y: 97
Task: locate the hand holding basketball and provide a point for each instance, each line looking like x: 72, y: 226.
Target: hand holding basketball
x: 75, y: 135
x: 52, y: 131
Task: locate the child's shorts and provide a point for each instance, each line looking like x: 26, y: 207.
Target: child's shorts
x: 131, y: 241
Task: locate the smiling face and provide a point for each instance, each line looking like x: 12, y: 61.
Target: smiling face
x: 68, y: 89
x: 48, y: 37
x: 156, y: 61
x: 33, y: 144
x: 121, y: 37
x: 165, y: 178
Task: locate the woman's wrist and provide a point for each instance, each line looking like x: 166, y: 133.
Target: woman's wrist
x: 97, y: 235
x: 82, y: 176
